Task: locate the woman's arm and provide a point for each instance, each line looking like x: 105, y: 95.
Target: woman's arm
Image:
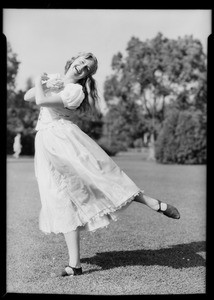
x: 43, y: 100
x: 30, y: 95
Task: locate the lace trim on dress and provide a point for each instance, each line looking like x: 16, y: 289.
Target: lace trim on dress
x: 112, y: 210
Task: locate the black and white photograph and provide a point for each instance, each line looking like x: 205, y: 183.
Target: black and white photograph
x: 106, y: 155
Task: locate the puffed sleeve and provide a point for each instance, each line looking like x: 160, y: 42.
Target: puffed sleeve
x: 72, y: 95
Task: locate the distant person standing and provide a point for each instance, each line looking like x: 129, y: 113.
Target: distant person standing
x: 17, y: 146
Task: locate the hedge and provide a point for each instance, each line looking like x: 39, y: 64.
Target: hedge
x: 182, y: 139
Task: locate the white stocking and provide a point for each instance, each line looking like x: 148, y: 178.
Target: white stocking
x: 72, y: 239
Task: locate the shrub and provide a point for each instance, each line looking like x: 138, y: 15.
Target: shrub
x: 191, y: 134
x: 166, y: 144
x: 28, y: 143
x: 138, y: 143
x: 111, y: 148
x: 182, y: 139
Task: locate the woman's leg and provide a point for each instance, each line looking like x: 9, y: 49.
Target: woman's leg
x: 157, y: 205
x: 150, y: 202
x: 72, y: 239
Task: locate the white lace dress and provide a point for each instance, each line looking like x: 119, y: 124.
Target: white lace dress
x: 79, y: 184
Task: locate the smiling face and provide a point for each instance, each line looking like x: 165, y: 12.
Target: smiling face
x: 80, y: 68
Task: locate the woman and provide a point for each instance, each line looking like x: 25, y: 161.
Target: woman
x: 80, y: 186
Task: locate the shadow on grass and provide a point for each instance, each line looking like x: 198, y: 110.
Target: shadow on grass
x: 178, y: 256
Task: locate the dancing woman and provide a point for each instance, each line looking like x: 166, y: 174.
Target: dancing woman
x: 81, y: 187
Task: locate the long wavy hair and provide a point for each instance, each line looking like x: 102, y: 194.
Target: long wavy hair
x: 91, y: 100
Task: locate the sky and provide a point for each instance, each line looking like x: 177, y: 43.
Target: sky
x: 44, y: 39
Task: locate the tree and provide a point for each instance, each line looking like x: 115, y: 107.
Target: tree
x: 156, y: 72
x: 21, y: 116
x: 123, y: 124
x: 12, y: 67
x: 90, y: 124
x: 13, y: 122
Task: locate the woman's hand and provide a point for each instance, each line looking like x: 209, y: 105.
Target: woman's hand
x: 55, y: 84
x: 41, y: 77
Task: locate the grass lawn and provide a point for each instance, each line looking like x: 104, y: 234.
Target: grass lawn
x: 143, y: 252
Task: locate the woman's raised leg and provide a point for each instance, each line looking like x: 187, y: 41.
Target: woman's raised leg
x: 157, y: 205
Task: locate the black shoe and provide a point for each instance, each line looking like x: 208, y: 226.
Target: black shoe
x: 70, y: 271
x: 170, y: 211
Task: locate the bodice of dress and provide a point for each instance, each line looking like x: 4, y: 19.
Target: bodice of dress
x: 48, y: 115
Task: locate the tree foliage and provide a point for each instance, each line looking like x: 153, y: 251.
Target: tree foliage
x: 153, y: 74
x: 89, y: 123
x: 156, y: 71
x: 123, y: 124
x: 12, y: 68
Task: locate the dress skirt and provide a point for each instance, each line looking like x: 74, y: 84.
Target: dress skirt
x: 79, y: 184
